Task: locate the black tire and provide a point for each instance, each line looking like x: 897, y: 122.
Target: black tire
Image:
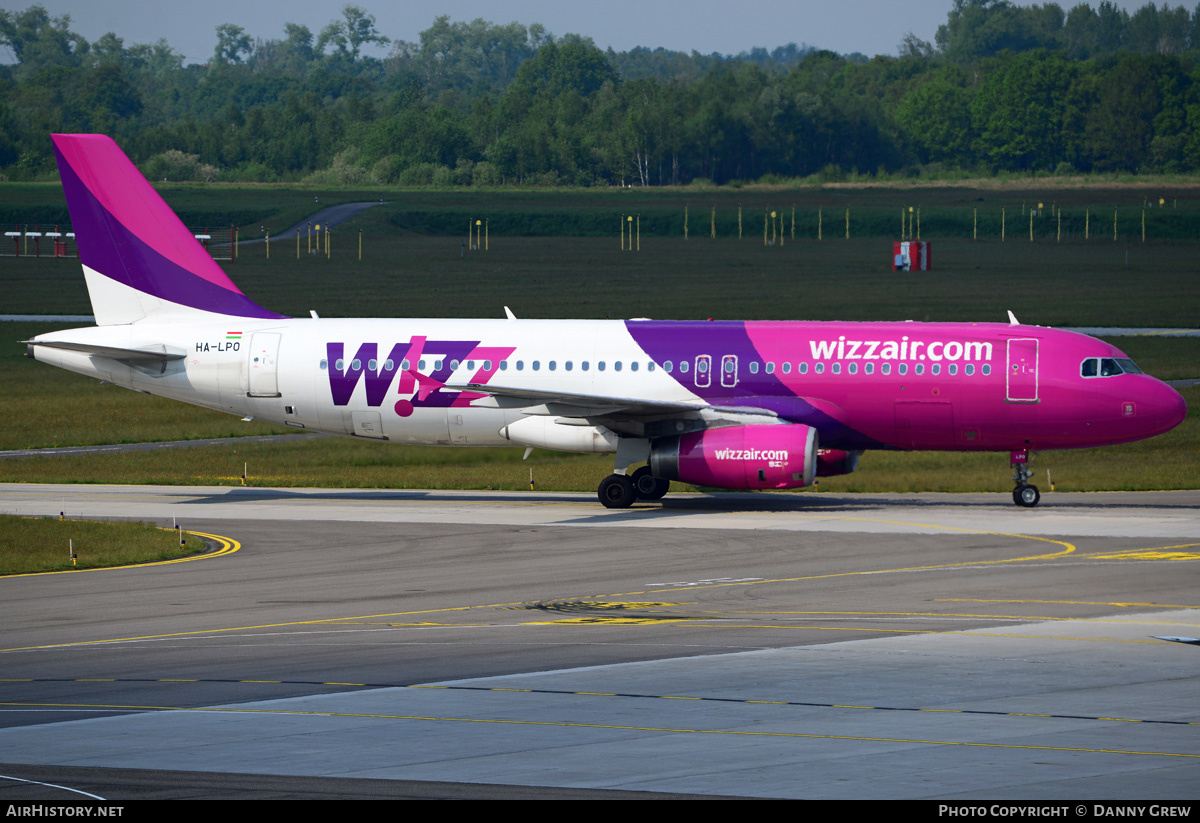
x: 648, y: 487
x: 1026, y: 496
x: 616, y: 492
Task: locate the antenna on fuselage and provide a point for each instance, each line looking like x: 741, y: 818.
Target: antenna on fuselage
x: 1012, y: 319
x: 508, y: 313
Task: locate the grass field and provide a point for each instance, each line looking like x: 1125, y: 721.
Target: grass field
x: 1073, y: 283
x: 33, y: 544
x: 404, y: 272
x: 1171, y: 461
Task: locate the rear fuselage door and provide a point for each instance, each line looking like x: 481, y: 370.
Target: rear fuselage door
x: 263, y: 366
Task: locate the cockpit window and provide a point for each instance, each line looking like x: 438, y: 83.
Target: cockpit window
x: 1107, y: 367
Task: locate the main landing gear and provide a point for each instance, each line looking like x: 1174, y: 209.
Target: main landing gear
x: 619, y: 491
x: 1025, y: 494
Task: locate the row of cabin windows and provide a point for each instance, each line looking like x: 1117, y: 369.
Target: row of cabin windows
x: 519, y: 365
x: 1089, y: 369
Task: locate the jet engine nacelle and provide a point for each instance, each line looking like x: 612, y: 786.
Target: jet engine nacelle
x: 831, y: 462
x: 780, y: 456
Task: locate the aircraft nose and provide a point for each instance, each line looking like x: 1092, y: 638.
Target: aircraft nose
x: 1170, y: 407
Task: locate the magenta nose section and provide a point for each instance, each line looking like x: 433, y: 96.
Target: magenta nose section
x: 1169, y: 408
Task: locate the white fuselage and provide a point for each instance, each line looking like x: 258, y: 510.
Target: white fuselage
x: 280, y: 371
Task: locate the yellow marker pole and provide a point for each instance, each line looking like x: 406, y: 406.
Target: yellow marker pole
x: 310, y: 238
x: 773, y: 229
x: 478, y: 232
x: 297, y: 244
x: 629, y: 220
x: 712, y: 222
x: 764, y: 227
x: 268, y: 244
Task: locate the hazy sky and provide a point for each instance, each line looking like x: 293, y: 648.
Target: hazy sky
x: 725, y: 26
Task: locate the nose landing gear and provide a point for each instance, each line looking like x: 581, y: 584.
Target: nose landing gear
x: 1025, y: 494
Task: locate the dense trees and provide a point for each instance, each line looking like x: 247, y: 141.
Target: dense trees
x: 1018, y: 88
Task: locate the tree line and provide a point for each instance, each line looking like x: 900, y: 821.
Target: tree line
x: 1000, y: 88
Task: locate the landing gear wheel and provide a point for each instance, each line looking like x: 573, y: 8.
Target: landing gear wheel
x: 616, y: 492
x: 1027, y: 496
x: 648, y: 487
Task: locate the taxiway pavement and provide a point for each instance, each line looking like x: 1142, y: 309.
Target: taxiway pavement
x: 812, y: 645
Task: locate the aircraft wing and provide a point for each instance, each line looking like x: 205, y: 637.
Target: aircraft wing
x: 593, y: 409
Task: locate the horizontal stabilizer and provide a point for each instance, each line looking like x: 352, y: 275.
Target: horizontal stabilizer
x: 158, y: 354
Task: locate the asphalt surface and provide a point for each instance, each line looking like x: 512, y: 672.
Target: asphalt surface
x: 378, y: 643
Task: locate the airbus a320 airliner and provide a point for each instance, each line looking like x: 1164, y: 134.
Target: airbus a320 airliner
x: 735, y: 405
